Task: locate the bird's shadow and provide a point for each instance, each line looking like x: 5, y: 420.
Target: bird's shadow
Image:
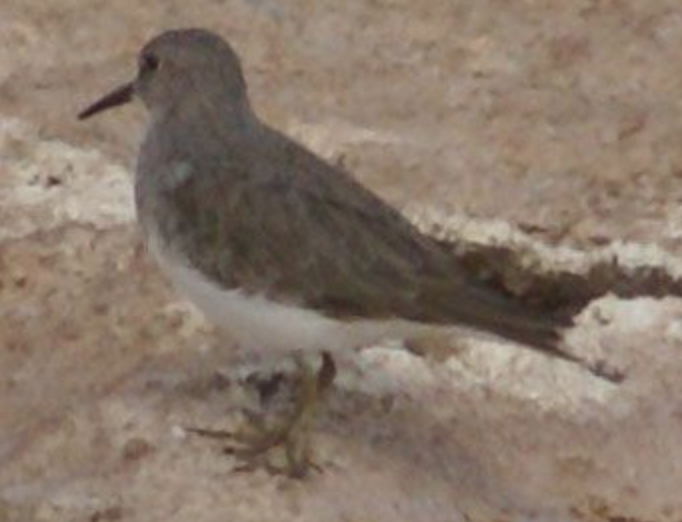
x: 522, y: 273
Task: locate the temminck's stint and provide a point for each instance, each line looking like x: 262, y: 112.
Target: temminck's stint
x: 276, y: 245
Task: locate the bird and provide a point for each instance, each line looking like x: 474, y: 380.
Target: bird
x: 279, y: 247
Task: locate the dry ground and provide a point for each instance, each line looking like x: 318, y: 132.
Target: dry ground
x: 561, y: 118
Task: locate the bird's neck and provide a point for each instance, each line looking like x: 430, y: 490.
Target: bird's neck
x: 221, y: 114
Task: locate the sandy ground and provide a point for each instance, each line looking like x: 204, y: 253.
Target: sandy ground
x: 560, y: 119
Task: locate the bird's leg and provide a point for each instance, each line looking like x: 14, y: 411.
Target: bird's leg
x: 292, y: 432
x: 296, y: 429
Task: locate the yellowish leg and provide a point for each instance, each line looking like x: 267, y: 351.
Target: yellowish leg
x: 293, y: 432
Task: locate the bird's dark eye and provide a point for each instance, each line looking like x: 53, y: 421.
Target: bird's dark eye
x: 150, y: 63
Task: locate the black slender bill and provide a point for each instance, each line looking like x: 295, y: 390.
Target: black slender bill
x: 119, y: 96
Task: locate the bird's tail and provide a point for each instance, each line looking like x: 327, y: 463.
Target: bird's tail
x: 536, y: 329
x: 540, y: 330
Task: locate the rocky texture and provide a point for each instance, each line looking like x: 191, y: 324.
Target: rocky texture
x: 561, y: 119
x: 104, y: 373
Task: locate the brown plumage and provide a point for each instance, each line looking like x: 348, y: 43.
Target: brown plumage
x: 251, y: 209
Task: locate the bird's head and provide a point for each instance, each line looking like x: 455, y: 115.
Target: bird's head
x: 181, y: 68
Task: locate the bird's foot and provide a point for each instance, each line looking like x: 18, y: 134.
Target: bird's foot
x: 253, y: 444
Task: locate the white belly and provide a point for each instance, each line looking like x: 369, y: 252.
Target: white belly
x: 251, y: 319
x: 261, y: 324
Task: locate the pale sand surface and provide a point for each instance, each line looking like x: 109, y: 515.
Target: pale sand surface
x: 483, y: 119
